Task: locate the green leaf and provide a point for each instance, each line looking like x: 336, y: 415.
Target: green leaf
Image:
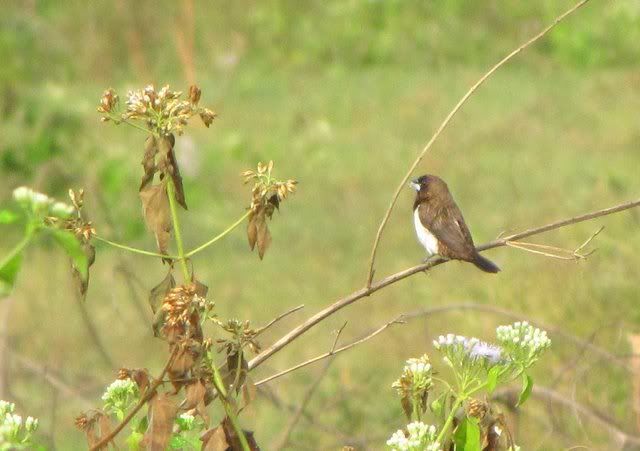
x: 74, y: 250
x: 8, y: 217
x: 527, y: 386
x: 467, y: 435
x: 492, y: 378
x: 8, y: 273
x: 437, y: 406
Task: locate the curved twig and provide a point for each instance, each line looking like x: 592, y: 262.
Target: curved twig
x: 150, y: 393
x: 446, y: 122
x: 389, y: 280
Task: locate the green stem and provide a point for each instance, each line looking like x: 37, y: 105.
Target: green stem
x: 447, y: 423
x: 171, y: 193
x: 119, y: 120
x: 133, y: 249
x: 18, y: 247
x: 219, y: 236
x: 217, y: 381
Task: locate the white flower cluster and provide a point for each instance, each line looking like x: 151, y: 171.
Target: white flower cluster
x: 41, y: 203
x: 186, y: 422
x: 120, y: 394
x: 417, y: 373
x: 421, y: 438
x: 524, y: 342
x: 459, y: 351
x: 14, y: 433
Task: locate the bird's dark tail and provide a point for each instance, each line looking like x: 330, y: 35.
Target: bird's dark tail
x: 485, y: 264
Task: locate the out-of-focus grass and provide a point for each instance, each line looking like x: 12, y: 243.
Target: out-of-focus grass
x: 544, y: 139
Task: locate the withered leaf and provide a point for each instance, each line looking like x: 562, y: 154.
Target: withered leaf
x: 407, y: 406
x: 105, y: 425
x: 264, y: 237
x: 171, y: 164
x: 214, y: 439
x: 149, y: 161
x: 162, y: 412
x: 184, y: 361
x: 248, y: 392
x: 231, y: 370
x: 158, y: 293
x: 201, y: 289
x: 195, y: 399
x: 141, y: 378
x: 234, y: 441
x: 252, y: 230
x: 155, y: 206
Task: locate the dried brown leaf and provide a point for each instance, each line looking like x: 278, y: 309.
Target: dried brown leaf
x: 232, y: 438
x: 214, y: 439
x: 141, y: 378
x: 149, y: 161
x: 252, y: 231
x: 264, y: 237
x: 231, y: 370
x: 162, y: 412
x: 249, y: 392
x: 195, y: 399
x: 155, y: 206
x: 201, y: 289
x: 171, y: 164
x: 158, y: 293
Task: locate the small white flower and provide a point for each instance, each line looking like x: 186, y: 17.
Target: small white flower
x: 22, y: 195
x: 40, y: 200
x: 61, y: 210
x: 31, y: 424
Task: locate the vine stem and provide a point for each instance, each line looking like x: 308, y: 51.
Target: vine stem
x: 217, y: 379
x: 134, y: 249
x: 219, y: 236
x: 219, y: 384
x: 18, y: 248
x: 447, y: 423
x: 171, y: 193
x: 446, y: 122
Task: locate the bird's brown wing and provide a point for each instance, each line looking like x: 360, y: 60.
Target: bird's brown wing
x: 448, y: 226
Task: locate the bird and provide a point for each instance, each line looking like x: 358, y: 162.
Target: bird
x: 439, y: 224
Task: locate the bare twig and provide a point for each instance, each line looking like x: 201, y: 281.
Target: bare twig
x: 57, y: 383
x: 278, y: 318
x: 389, y: 280
x: 293, y: 421
x: 509, y: 396
x: 556, y: 252
x: 150, y: 393
x: 332, y: 352
x: 446, y: 121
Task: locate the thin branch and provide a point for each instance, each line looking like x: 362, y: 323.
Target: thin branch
x: 150, y: 393
x: 295, y: 418
x: 331, y: 353
x: 510, y: 395
x: 54, y: 381
x: 134, y: 249
x: 278, y: 318
x: 219, y: 236
x: 389, y: 280
x: 446, y: 122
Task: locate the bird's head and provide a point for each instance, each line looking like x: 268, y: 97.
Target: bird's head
x: 428, y: 186
x: 423, y: 183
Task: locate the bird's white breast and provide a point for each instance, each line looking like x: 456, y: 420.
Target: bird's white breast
x: 425, y: 237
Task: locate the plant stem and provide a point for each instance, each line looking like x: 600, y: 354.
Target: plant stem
x: 118, y: 121
x: 133, y: 249
x: 447, y: 423
x: 171, y: 193
x: 18, y: 248
x: 217, y: 237
x: 219, y: 384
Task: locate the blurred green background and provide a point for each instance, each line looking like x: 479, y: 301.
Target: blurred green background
x: 342, y: 95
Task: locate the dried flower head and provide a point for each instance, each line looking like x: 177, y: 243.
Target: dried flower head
x: 163, y: 111
x: 241, y: 335
x: 182, y: 307
x: 414, y: 384
x: 477, y: 409
x: 266, y: 195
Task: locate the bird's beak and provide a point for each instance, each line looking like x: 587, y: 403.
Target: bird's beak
x: 415, y: 185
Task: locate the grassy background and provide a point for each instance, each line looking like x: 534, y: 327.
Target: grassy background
x: 342, y: 95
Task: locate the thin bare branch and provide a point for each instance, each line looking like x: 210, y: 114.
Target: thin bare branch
x: 331, y: 353
x: 446, y: 122
x: 295, y: 418
x: 509, y: 396
x: 278, y: 318
x: 150, y: 393
x: 389, y: 280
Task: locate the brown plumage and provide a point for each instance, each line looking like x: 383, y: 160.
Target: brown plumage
x: 440, y: 226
